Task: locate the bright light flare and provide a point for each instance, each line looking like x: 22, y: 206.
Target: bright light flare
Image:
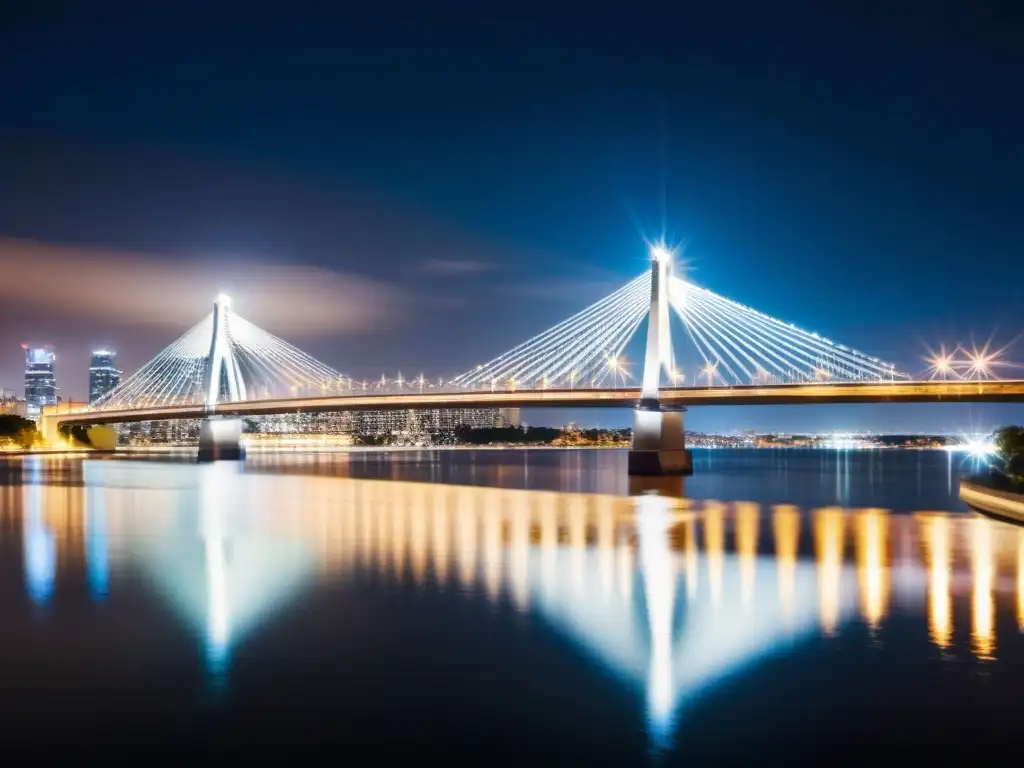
x: 983, y: 363
x: 660, y: 252
x: 980, y: 365
x: 981, y: 448
x: 710, y: 371
x: 942, y: 364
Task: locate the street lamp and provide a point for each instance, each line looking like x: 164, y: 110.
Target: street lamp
x: 980, y: 365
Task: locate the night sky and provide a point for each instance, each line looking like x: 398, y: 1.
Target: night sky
x: 422, y: 195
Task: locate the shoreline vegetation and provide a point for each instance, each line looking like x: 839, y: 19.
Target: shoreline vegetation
x: 17, y: 433
x: 999, y: 491
x: 1006, y: 473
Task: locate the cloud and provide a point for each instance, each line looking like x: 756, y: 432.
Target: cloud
x: 116, y: 288
x: 574, y: 292
x: 452, y: 267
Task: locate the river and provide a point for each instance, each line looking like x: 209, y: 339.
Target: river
x: 502, y: 606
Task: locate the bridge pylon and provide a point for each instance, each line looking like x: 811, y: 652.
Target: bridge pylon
x: 659, y: 440
x: 219, y: 437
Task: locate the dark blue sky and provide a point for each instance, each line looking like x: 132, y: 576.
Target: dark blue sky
x: 857, y: 171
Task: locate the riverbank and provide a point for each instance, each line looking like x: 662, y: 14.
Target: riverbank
x: 300, y: 447
x: 95, y: 452
x: 1005, y: 504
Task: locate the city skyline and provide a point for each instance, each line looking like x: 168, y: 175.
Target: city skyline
x: 454, y: 220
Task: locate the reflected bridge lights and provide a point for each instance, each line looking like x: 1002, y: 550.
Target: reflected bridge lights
x: 653, y: 516
x: 603, y: 571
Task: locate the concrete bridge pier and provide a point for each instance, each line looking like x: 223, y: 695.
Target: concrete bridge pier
x: 659, y: 441
x: 220, y: 439
x: 49, y: 426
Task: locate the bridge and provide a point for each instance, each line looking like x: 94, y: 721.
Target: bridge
x: 226, y: 367
x: 807, y: 394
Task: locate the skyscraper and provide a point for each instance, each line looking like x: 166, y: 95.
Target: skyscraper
x: 40, y: 382
x: 103, y: 373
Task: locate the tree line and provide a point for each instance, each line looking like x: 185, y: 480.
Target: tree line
x: 1010, y: 445
x: 18, y: 430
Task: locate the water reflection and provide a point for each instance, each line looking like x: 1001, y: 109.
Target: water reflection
x: 40, y: 549
x: 982, y: 609
x: 1020, y: 580
x: 829, y: 532
x: 670, y: 595
x: 96, y: 542
x: 940, y: 606
x: 873, y: 564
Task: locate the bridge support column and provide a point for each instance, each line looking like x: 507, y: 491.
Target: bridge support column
x: 659, y: 442
x: 220, y: 439
x: 49, y: 428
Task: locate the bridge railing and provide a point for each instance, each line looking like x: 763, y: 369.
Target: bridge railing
x: 350, y: 388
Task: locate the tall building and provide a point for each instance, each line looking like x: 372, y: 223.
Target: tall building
x: 103, y: 373
x: 40, y: 382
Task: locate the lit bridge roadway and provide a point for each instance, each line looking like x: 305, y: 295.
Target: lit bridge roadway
x: 776, y: 394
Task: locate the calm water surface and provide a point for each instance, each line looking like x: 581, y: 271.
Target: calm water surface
x: 501, y: 606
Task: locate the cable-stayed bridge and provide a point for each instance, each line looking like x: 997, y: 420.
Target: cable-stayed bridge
x: 225, y: 366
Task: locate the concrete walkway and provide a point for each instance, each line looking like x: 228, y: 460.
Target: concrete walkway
x: 1000, y: 503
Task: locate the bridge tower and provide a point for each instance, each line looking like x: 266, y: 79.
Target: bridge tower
x: 221, y: 438
x: 659, y: 441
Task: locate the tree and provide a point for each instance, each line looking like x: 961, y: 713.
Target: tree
x: 1010, y: 444
x: 18, y: 430
x: 27, y: 437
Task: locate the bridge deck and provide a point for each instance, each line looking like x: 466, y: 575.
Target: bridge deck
x: 854, y: 392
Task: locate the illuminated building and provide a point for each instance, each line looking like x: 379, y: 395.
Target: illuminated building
x: 399, y: 427
x: 510, y: 417
x: 11, y: 405
x: 183, y: 431
x: 432, y: 425
x: 103, y: 373
x: 429, y: 426
x: 40, y: 382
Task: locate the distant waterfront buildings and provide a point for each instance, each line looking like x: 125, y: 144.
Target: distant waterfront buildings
x: 103, y: 373
x: 408, y: 427
x: 400, y: 427
x: 11, y: 404
x: 436, y: 425
x: 40, y: 379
